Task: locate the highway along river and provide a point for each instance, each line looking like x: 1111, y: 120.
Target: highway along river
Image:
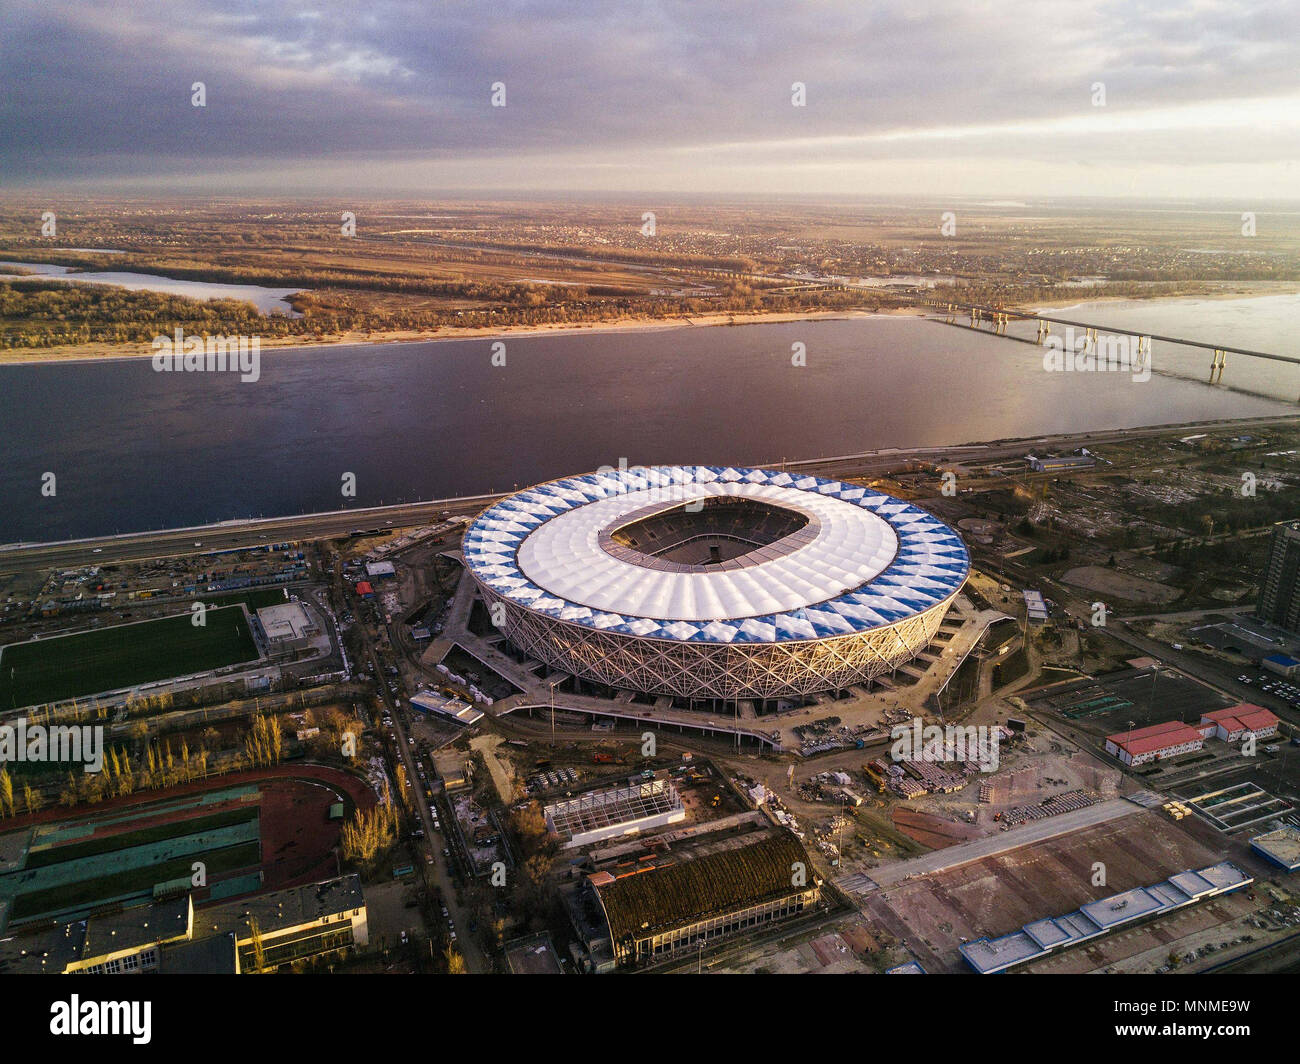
x: 133, y: 449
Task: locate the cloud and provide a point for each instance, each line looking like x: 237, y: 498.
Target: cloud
x: 681, y: 85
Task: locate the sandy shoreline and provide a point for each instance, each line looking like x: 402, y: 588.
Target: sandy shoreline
x: 1245, y: 291
x: 100, y: 352
x: 103, y: 351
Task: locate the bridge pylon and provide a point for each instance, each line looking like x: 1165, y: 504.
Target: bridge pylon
x: 1217, y: 365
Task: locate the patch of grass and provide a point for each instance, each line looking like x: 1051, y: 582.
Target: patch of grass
x: 254, y: 598
x: 48, y: 670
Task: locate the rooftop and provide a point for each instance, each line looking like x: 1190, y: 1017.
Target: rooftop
x: 282, y: 909
x: 137, y: 926
x: 214, y: 955
x: 1121, y: 908
x: 1155, y: 737
x: 1281, y: 846
x: 534, y: 955
x: 1243, y: 717
x: 49, y: 950
x: 286, y: 620
x: 1095, y: 918
x: 669, y: 896
x: 863, y: 560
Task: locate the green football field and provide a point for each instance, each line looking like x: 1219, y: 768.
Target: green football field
x: 47, y: 670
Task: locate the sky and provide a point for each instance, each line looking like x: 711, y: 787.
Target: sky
x: 1196, y: 99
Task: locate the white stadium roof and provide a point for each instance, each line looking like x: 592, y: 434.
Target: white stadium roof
x: 864, y: 560
x: 564, y: 556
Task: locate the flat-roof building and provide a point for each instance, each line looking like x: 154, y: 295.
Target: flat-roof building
x: 287, y: 626
x: 254, y: 934
x: 298, y: 923
x: 1097, y: 918
x: 1036, y: 605
x: 1282, y: 664
x: 1282, y: 847
x: 533, y: 955
x: 452, y: 709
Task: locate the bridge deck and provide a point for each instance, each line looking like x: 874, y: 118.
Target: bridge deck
x: 1022, y: 315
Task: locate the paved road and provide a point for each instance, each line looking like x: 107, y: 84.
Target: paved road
x: 990, y: 846
x: 436, y: 866
x: 229, y: 535
x: 434, y: 842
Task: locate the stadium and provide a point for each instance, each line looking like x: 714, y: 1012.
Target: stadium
x: 708, y: 582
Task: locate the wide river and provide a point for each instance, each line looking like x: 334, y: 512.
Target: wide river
x: 135, y: 449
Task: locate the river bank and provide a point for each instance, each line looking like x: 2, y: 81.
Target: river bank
x: 99, y: 352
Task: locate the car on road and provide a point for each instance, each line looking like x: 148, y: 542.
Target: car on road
x: 98, y: 550
x: 446, y: 852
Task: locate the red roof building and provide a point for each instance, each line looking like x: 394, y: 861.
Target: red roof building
x: 1154, y: 743
x: 1236, y: 722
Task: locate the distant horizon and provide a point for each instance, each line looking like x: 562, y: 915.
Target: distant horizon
x: 697, y: 198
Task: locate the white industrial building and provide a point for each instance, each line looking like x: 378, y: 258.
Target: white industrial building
x: 606, y: 814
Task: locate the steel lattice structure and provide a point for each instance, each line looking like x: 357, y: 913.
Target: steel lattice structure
x: 859, y: 590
